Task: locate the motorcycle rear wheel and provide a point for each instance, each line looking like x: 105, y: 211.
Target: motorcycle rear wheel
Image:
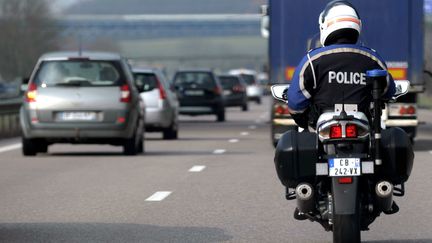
x: 346, y: 228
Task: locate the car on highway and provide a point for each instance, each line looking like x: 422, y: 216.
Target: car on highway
x: 254, y: 90
x: 161, y: 103
x: 199, y: 93
x: 234, y: 90
x: 82, y: 97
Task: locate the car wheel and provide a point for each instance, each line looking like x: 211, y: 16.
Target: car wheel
x: 28, y: 147
x: 245, y: 107
x: 130, y: 146
x: 171, y: 132
x: 258, y: 100
x: 42, y: 146
x: 221, y: 115
x: 141, y: 145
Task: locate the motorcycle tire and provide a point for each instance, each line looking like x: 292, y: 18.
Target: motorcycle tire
x: 346, y: 228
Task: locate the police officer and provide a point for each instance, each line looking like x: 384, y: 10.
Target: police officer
x: 336, y: 72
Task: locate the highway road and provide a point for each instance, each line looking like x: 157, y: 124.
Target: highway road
x: 217, y: 183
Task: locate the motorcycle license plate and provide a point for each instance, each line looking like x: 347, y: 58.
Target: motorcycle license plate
x: 344, y: 167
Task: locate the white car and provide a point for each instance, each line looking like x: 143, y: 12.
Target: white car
x: 254, y: 90
x: 162, y: 106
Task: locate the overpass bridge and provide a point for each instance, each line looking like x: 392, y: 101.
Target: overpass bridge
x: 121, y: 27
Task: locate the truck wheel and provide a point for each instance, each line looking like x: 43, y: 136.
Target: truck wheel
x: 28, y: 147
x: 258, y: 100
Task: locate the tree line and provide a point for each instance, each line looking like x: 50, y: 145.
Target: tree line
x: 27, y: 31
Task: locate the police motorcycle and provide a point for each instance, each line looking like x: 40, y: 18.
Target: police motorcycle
x: 347, y: 172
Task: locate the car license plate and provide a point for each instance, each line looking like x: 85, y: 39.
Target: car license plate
x: 194, y: 92
x: 76, y: 116
x: 227, y: 92
x: 344, y: 167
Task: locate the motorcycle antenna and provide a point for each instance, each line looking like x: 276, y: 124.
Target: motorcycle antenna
x: 343, y: 112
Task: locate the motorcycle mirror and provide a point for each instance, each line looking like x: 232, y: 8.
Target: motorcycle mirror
x: 279, y: 91
x: 402, y: 87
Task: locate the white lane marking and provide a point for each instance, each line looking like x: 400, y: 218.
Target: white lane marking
x: 197, y: 168
x: 244, y: 133
x: 10, y: 147
x: 158, y: 196
x: 219, y: 151
x: 264, y: 115
x: 252, y: 127
x: 233, y: 140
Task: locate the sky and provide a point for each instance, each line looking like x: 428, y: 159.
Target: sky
x: 428, y: 6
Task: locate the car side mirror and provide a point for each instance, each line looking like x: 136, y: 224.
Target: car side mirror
x: 279, y: 92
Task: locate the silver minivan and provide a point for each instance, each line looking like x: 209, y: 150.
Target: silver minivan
x: 84, y: 97
x: 162, y: 106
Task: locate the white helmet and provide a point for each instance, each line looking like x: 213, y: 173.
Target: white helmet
x: 338, y: 18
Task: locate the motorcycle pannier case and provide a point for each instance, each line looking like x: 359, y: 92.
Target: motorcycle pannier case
x: 295, y: 157
x: 397, y: 155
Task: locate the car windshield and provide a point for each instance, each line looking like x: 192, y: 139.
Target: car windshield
x: 201, y: 80
x: 228, y: 81
x: 249, y: 79
x: 148, y: 81
x: 80, y: 73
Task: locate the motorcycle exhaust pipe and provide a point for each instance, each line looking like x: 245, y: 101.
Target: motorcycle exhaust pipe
x: 384, y: 195
x: 305, y: 197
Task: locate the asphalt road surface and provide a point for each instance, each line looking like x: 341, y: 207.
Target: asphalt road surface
x: 217, y: 183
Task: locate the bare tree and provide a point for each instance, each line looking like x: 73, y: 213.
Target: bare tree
x: 27, y: 31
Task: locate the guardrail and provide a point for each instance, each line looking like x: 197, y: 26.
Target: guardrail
x: 9, y: 117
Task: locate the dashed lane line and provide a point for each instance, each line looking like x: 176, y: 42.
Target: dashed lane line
x: 10, y: 147
x: 158, y: 196
x: 219, y: 151
x: 244, y: 133
x: 252, y: 127
x: 197, y: 168
x: 234, y: 140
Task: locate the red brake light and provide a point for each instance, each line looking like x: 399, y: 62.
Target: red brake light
x: 351, y: 131
x: 125, y: 95
x: 411, y: 110
x: 31, y: 93
x: 217, y: 90
x: 162, y: 92
x: 407, y: 110
x: 239, y: 88
x: 345, y: 180
x: 336, y: 131
x: 281, y: 110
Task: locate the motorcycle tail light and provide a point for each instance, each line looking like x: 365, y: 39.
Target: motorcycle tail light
x: 351, y: 131
x: 345, y: 180
x: 336, y: 131
x: 281, y: 109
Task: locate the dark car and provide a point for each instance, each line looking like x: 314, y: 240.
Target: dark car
x: 199, y: 93
x: 234, y: 90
